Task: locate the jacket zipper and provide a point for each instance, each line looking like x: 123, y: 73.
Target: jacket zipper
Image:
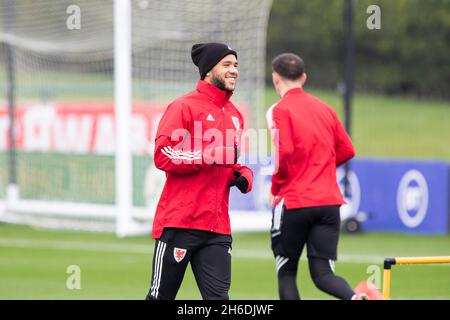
x: 222, y: 125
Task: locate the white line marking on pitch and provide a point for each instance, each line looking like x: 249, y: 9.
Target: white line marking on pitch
x: 148, y: 249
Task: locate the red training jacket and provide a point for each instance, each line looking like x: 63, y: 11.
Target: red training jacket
x: 196, y: 192
x: 311, y: 142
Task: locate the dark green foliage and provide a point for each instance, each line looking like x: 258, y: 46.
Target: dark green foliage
x: 409, y: 55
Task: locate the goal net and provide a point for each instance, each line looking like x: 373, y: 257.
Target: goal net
x: 57, y: 61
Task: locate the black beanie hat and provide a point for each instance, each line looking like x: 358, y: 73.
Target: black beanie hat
x: 206, y: 55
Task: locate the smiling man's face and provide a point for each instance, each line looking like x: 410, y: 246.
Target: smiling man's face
x: 224, y: 74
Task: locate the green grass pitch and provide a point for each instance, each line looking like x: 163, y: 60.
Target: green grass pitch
x: 33, y: 265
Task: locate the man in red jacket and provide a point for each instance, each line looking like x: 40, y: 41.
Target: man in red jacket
x: 197, y: 146
x: 310, y: 142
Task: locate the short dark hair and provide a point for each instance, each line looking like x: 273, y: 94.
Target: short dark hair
x: 288, y: 65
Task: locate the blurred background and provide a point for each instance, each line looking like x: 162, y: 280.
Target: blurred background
x: 384, y: 66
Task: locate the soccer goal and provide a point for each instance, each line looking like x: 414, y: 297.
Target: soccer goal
x: 82, y: 88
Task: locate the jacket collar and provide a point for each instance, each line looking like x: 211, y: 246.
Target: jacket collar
x: 293, y: 91
x: 218, y: 97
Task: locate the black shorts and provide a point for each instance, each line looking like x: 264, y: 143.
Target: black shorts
x: 209, y: 255
x: 317, y: 227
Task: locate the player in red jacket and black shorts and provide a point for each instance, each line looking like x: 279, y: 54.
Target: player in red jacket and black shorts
x: 310, y: 142
x: 197, y: 146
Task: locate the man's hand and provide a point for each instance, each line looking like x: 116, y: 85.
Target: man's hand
x: 273, y: 200
x: 240, y: 182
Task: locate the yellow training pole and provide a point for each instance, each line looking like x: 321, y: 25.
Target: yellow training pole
x: 422, y: 260
x: 389, y: 262
x: 387, y: 284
